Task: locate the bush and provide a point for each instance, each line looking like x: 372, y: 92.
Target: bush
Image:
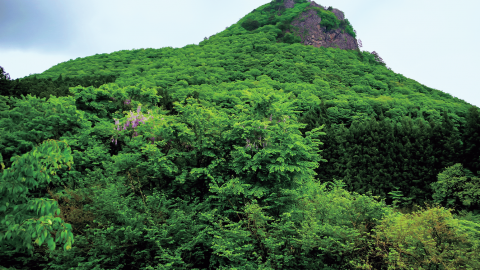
x: 250, y: 24
x: 329, y: 20
x: 457, y: 188
x: 290, y: 39
x: 422, y: 240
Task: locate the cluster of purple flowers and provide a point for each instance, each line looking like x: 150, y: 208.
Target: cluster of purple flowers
x: 134, y: 120
x: 126, y: 102
x: 264, y: 144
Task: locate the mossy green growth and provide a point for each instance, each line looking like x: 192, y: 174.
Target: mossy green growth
x: 330, y: 21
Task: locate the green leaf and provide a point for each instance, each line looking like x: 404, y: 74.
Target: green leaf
x: 51, y: 244
x: 37, y: 227
x: 39, y: 240
x: 29, y: 171
x: 48, y: 206
x: 67, y: 246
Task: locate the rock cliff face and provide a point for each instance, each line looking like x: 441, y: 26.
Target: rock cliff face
x: 313, y: 34
x: 289, y: 3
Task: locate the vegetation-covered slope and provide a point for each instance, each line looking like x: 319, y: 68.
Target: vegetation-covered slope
x: 227, y: 154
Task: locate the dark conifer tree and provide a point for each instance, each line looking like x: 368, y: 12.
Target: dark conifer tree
x: 403, y: 160
x: 444, y: 139
x: 415, y: 168
x: 385, y: 149
x: 449, y: 141
x: 354, y: 158
x: 453, y: 141
x: 315, y: 117
x: 371, y: 153
x: 471, y: 141
x: 337, y: 151
x: 422, y: 162
x: 5, y: 82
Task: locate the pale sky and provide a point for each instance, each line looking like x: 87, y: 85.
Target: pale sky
x: 433, y: 42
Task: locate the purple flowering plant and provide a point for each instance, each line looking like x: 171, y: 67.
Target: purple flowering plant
x: 132, y: 122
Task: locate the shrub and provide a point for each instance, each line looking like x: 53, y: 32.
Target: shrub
x: 290, y: 39
x: 250, y: 24
x: 329, y: 20
x: 457, y: 187
x: 422, y: 240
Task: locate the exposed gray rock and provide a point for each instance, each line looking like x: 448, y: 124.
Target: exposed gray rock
x: 313, y: 4
x: 311, y: 33
x: 339, y: 14
x: 289, y: 3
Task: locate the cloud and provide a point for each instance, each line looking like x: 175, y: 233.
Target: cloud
x: 47, y: 26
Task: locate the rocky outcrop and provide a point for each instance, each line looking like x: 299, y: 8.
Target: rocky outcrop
x: 289, y: 3
x: 339, y: 14
x: 311, y: 33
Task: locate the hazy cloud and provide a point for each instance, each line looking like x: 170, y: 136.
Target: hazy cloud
x: 47, y: 26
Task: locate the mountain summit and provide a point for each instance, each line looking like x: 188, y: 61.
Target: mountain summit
x: 340, y: 35
x: 304, y: 22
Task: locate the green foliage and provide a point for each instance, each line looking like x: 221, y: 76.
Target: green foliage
x: 290, y: 39
x: 4, y: 75
x: 19, y: 226
x: 276, y: 15
x: 216, y: 168
x: 422, y: 240
x: 250, y: 24
x: 471, y: 139
x: 324, y: 230
x: 457, y: 188
x: 398, y: 198
x: 5, y: 82
x: 32, y: 121
x: 345, y: 24
x: 46, y: 87
x: 328, y: 18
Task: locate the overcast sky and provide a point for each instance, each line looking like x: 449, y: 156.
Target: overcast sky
x: 434, y: 42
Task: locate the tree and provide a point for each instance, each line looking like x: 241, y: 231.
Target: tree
x: 5, y: 82
x: 18, y: 225
x: 378, y: 58
x: 457, y: 187
x: 3, y: 74
x: 471, y: 139
x: 250, y: 24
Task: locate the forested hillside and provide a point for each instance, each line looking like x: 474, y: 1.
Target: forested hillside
x: 249, y: 150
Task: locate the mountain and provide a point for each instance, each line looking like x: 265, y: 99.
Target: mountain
x: 253, y: 149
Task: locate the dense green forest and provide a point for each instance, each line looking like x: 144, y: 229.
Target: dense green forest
x: 249, y: 150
